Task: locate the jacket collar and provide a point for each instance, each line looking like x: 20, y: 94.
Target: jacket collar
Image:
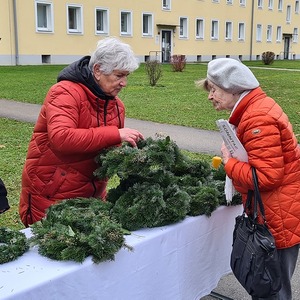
x: 238, y: 112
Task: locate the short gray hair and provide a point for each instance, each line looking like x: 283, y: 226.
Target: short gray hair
x: 112, y: 54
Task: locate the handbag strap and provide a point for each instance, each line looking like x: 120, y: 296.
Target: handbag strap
x: 257, y: 198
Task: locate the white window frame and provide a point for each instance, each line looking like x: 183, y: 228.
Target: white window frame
x: 259, y: 32
x: 147, y: 24
x: 183, y: 27
x: 48, y: 17
x: 270, y: 4
x: 214, y: 33
x: 104, y: 26
x: 229, y: 2
x: 128, y: 15
x: 278, y: 34
x: 243, y: 3
x: 166, y: 4
x: 228, y: 30
x: 269, y: 33
x: 288, y: 14
x: 280, y: 5
x: 241, y: 31
x: 260, y: 4
x: 78, y: 19
x: 297, y: 7
x: 200, y: 28
x: 295, y: 35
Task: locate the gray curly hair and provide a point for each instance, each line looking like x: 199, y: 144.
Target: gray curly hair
x: 112, y: 54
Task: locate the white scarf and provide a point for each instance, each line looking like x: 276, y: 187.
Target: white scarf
x: 229, y: 189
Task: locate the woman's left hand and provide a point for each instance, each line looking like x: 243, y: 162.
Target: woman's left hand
x: 131, y: 136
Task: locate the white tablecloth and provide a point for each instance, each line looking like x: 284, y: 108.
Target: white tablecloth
x: 183, y: 261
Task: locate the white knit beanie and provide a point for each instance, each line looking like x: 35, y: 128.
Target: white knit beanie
x: 231, y: 75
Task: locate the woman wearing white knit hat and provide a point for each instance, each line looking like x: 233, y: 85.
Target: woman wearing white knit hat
x: 267, y: 136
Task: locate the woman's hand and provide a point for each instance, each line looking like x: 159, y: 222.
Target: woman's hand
x: 225, y: 153
x: 131, y: 136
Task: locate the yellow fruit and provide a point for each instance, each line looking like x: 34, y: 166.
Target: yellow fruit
x: 216, y: 161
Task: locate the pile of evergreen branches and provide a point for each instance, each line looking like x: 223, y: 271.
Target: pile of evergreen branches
x: 77, y: 228
x: 13, y: 244
x: 159, y: 185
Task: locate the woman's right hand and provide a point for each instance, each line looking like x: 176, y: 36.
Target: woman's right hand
x: 225, y: 153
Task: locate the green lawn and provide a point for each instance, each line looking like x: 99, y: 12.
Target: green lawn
x: 174, y: 100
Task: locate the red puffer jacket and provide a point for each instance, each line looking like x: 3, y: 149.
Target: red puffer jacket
x: 267, y: 135
x: 73, y: 126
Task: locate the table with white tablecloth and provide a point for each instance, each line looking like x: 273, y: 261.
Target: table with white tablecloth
x: 183, y: 261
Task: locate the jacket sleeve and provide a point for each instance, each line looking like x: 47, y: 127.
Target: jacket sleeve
x: 261, y: 138
x: 63, y: 113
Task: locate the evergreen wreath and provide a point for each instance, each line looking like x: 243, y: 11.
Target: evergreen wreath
x: 159, y: 185
x: 74, y: 229
x: 13, y: 244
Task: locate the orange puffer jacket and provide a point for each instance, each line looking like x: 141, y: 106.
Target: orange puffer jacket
x: 267, y: 135
x: 73, y: 126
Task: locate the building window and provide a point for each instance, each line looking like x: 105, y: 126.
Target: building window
x: 229, y: 2
x: 147, y: 24
x: 44, y: 16
x: 74, y: 18
x: 269, y: 33
x: 258, y: 32
x: 270, y: 4
x: 260, y: 4
x: 200, y: 29
x: 297, y: 7
x: 280, y: 5
x: 278, y: 34
x: 228, y: 31
x: 295, y: 35
x: 126, y: 23
x: 166, y: 4
x: 241, y: 32
x: 183, y: 27
x: 242, y: 2
x: 288, y: 14
x: 214, y: 30
x: 102, y: 22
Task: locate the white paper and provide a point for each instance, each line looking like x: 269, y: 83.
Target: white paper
x: 236, y: 150
x: 231, y: 141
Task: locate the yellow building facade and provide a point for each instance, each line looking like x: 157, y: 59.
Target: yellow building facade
x: 35, y: 32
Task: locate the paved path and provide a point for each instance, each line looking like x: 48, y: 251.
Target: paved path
x: 187, y: 138
x: 191, y: 139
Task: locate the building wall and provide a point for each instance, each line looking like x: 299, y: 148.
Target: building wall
x: 21, y: 42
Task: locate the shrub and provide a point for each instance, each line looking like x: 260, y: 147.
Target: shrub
x: 268, y: 57
x: 154, y: 71
x: 178, y: 62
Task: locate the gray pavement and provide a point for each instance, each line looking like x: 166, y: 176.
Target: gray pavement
x: 192, y: 139
x: 187, y: 138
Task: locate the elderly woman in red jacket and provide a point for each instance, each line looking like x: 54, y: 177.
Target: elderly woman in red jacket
x: 81, y: 115
x: 267, y: 136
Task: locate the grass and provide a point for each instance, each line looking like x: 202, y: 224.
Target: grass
x: 13, y: 146
x: 174, y: 100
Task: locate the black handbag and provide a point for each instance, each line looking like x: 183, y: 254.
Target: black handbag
x: 254, y: 258
x: 4, y: 206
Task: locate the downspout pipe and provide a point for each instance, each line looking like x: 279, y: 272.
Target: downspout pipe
x: 16, y: 32
x: 251, y: 30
